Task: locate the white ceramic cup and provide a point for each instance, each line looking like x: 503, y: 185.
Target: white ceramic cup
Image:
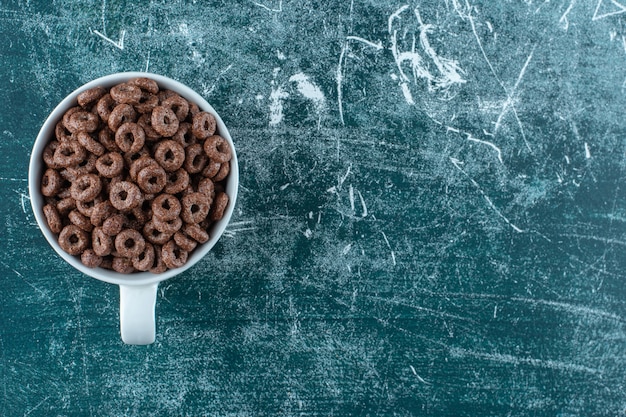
x: 137, y: 290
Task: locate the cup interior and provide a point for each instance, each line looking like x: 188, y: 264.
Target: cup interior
x: 36, y: 169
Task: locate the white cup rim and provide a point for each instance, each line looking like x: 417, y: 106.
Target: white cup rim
x: 36, y: 166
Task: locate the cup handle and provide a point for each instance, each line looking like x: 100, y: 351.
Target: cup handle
x: 137, y: 322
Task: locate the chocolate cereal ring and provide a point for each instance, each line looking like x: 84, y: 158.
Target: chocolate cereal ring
x: 114, y: 224
x: 90, y: 259
x: 126, y: 93
x: 184, y: 241
x: 177, y: 181
x: 122, y: 265
x: 152, y: 179
x: 145, y: 121
x: 196, y: 233
x: 207, y: 186
x: 130, y: 137
x: 173, y: 255
x: 53, y: 218
x: 80, y: 220
x: 101, y: 243
x: 107, y: 138
x: 166, y: 207
x: 125, y: 195
x: 223, y: 172
x: 73, y: 239
x: 86, y: 187
x: 195, y: 207
x: 154, y: 235
x: 203, y: 125
x: 178, y: 105
x: 100, y: 212
x: 146, y: 84
x: 218, y: 149
x: 170, y: 155
x: 146, y: 103
x: 110, y: 164
x: 86, y: 207
x: 82, y: 120
x: 61, y: 133
x: 184, y: 136
x: 69, y: 154
x: 164, y: 121
x: 105, y: 106
x: 129, y: 243
x: 65, y: 205
x: 48, y: 155
x: 51, y: 183
x: 145, y: 260
x: 89, y: 143
x: 167, y: 226
x: 122, y: 113
x: 90, y: 96
x: 68, y: 114
x: 211, y: 169
x: 158, y: 266
x: 219, y: 206
x: 195, y: 159
x: 141, y: 163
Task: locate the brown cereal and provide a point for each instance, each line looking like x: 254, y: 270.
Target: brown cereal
x: 154, y: 235
x: 130, y: 157
x: 61, y: 133
x: 53, y: 218
x: 51, y: 182
x: 110, y: 164
x: 90, y: 259
x: 195, y: 159
x: 170, y: 155
x: 173, y: 255
x: 207, y: 187
x: 113, y: 224
x: 145, y: 260
x: 86, y: 187
x: 195, y: 207
x: 90, y: 96
x: 101, y: 243
x: 166, y: 207
x: 82, y: 120
x: 218, y: 149
x: 139, y: 164
x: 146, y: 103
x: 69, y: 154
x: 158, y: 266
x: 122, y: 265
x: 130, y: 137
x: 193, y: 110
x: 219, y: 206
x: 73, y: 239
x: 167, y: 226
x: 184, y: 242
x: 107, y: 138
x: 178, y: 105
x: 177, y: 181
x: 86, y: 207
x: 184, y: 136
x: 65, y: 205
x: 129, y: 243
x: 101, y: 212
x: 164, y: 121
x: 152, y: 179
x: 80, y: 220
x: 165, y: 94
x: 211, y: 169
x: 196, y: 232
x: 146, y: 84
x: 68, y: 114
x: 145, y: 121
x: 89, y: 143
x: 48, y: 154
x: 122, y: 113
x: 203, y: 125
x: 126, y: 93
x: 105, y: 106
x: 223, y: 172
x: 125, y: 195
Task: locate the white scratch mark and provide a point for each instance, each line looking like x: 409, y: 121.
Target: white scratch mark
x: 346, y: 249
x: 13, y: 179
x: 351, y: 197
x: 587, y: 151
x: 378, y: 46
x: 563, y: 18
x: 284, y: 186
x: 276, y: 105
x: 339, y: 78
x: 363, y: 206
x: 495, y: 311
x: 393, y: 255
x: 147, y: 62
x: 419, y: 378
x: 278, y: 10
x: 27, y: 413
x: 619, y: 9
x: 490, y: 144
x: 210, y: 90
x: 406, y: 92
x: 309, y: 90
x: 119, y: 44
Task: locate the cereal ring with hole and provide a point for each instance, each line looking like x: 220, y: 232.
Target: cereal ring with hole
x: 178, y: 105
x: 86, y: 207
x: 110, y: 164
x: 154, y: 235
x: 164, y: 121
x: 177, y: 181
x: 152, y: 179
x: 107, y: 262
x: 165, y: 94
x: 146, y: 84
x: 195, y: 159
x: 100, y: 212
x: 122, y: 265
x: 65, y: 205
x: 129, y: 243
x: 48, y: 155
x: 82, y: 120
x: 173, y: 255
x: 223, y: 172
x: 73, y: 239
x: 218, y: 149
x: 146, y: 103
x: 90, y: 259
x: 167, y: 226
x: 170, y: 155
x: 114, y: 224
x: 130, y: 137
x: 166, y: 207
x: 145, y: 259
x: 141, y: 163
x: 89, y: 97
x: 193, y: 110
x: 158, y: 267
x: 184, y: 241
x: 130, y: 157
x: 195, y: 232
x: 195, y: 207
x: 122, y: 113
x: 219, y: 206
x: 203, y: 125
x: 145, y: 121
x: 126, y: 93
x: 66, y: 116
x: 86, y: 166
x: 69, y: 154
x: 80, y: 220
x: 86, y: 187
x: 184, y: 136
x: 61, y: 133
x: 107, y: 138
x: 51, y: 182
x: 207, y: 186
x: 125, y: 195
x: 105, y: 106
x: 101, y: 243
x: 53, y: 218
x: 88, y: 142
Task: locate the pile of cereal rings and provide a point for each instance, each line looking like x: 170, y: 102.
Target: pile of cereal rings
x: 135, y: 177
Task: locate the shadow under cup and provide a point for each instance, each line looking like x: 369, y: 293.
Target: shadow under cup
x: 137, y: 290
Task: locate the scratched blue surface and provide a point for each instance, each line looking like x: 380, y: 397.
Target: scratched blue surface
x: 431, y: 221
